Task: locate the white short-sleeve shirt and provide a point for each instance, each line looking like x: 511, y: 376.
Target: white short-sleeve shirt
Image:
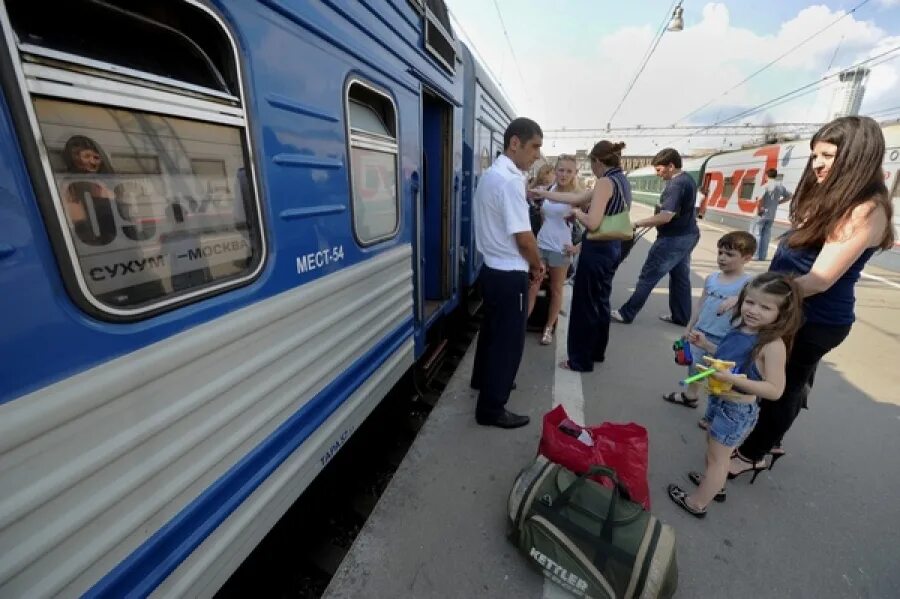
x: 500, y: 211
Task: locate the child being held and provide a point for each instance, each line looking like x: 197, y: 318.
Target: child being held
x: 736, y: 249
x: 768, y: 315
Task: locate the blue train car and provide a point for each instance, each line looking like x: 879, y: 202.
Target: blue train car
x: 225, y: 229
x: 486, y: 114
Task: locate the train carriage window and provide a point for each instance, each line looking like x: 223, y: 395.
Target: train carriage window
x: 439, y: 38
x: 151, y: 198
x: 727, y: 188
x: 374, y: 151
x: 747, y: 188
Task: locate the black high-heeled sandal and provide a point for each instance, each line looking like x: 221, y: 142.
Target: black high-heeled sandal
x: 777, y: 453
x: 696, y: 478
x: 755, y: 468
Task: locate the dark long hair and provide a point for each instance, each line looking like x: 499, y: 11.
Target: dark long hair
x: 855, y: 177
x: 790, y: 310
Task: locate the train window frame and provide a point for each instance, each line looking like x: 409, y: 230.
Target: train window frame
x: 366, y: 140
x: 47, y: 74
x: 727, y: 188
x: 440, y: 41
x: 748, y: 184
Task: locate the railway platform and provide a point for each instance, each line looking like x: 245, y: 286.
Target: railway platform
x: 822, y: 524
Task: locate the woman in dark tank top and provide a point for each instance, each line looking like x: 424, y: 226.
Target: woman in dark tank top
x: 589, y: 317
x: 840, y: 215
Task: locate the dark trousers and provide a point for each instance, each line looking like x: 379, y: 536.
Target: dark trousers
x: 775, y: 417
x: 501, y: 339
x: 589, y: 314
x: 672, y: 256
x: 626, y: 247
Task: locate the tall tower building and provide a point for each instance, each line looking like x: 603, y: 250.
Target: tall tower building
x: 849, y: 94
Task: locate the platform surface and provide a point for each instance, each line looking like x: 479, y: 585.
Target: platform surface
x: 825, y: 522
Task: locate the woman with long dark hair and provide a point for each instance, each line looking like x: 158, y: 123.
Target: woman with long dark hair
x: 841, y: 215
x: 589, y: 319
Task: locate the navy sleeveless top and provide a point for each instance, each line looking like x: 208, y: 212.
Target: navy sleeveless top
x: 737, y: 346
x: 834, y: 306
x: 621, y: 196
x: 619, y: 202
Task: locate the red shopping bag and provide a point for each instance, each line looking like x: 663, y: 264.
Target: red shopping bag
x: 622, y: 447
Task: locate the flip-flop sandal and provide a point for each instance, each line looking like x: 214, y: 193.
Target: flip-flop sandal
x: 680, y: 499
x: 565, y: 365
x: 668, y: 318
x: 696, y: 478
x: 681, y: 399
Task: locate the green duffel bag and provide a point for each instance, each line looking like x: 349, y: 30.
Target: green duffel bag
x: 588, y: 538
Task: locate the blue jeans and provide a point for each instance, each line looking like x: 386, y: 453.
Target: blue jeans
x: 762, y: 230
x: 672, y: 256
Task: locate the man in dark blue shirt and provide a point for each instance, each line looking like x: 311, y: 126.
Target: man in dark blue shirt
x: 676, y: 235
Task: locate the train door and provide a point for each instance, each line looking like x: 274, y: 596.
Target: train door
x: 497, y: 146
x: 706, y: 180
x: 434, y: 207
x: 482, y: 160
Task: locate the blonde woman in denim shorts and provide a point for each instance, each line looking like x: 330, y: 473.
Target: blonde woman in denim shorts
x: 555, y: 243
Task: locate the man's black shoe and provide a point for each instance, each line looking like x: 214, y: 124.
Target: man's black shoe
x: 477, y: 387
x: 506, y: 419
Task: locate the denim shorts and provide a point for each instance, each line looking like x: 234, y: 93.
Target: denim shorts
x: 554, y: 259
x: 730, y: 421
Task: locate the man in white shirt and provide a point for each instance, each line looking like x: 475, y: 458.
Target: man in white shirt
x: 503, y: 235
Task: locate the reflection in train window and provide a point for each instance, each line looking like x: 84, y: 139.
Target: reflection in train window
x: 146, y: 223
x: 372, y: 123
x: 150, y: 200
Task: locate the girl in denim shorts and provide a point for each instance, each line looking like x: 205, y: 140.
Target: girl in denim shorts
x: 769, y: 312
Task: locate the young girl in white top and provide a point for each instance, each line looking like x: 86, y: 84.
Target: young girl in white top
x: 555, y: 243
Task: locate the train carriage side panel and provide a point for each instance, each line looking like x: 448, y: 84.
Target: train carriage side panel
x: 646, y: 186
x: 487, y: 113
x: 158, y: 450
x: 736, y: 180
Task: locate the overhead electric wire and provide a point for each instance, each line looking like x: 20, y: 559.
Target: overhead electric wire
x: 883, y: 111
x: 792, y: 95
x: 474, y: 49
x: 775, y: 101
x: 511, y: 51
x: 647, y: 55
x: 757, y: 72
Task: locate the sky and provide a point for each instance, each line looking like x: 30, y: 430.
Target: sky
x: 568, y: 63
